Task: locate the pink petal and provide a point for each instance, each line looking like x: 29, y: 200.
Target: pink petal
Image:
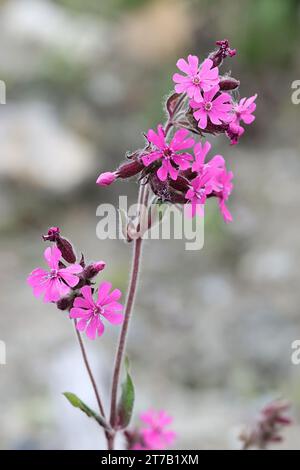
x: 206, y: 65
x: 81, y: 303
x: 222, y: 98
x: 52, y: 293
x: 91, y: 329
x: 189, y: 194
x: 217, y: 160
x: 52, y: 256
x: 183, y: 163
x: 248, y: 118
x: 203, y: 121
x: 100, y: 328
x: 172, y: 171
x: 113, y: 306
x: 86, y: 291
x: 183, y: 66
x: 197, y: 94
x: 113, y: 296
x: 73, y: 269
x: 113, y: 318
x: 69, y: 278
x: 157, y: 139
x: 103, y: 292
x: 81, y: 324
x: 178, y: 78
x: 79, y: 313
x: 36, y: 277
x: 208, y: 95
x: 181, y: 87
x: 164, y: 419
x: 197, y: 114
x: 179, y: 142
x: 196, y: 104
x: 151, y: 157
x: 250, y: 100
x: 148, y: 417
x: 225, y: 211
x: 193, y: 63
x: 191, y: 90
x: 214, y: 117
x: 162, y: 172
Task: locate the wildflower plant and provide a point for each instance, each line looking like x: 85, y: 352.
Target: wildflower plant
x: 173, y: 167
x: 267, y: 429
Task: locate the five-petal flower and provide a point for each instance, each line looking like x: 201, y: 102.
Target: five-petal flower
x: 216, y: 108
x: 197, y: 78
x: 55, y: 283
x: 169, y: 154
x: 89, y: 312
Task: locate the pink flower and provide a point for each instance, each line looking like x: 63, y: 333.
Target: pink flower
x: 201, y: 151
x: 212, y: 180
x: 105, y: 179
x: 234, y: 132
x: 196, y: 196
x: 225, y: 188
x: 90, y: 312
x: 171, y: 160
x: 197, y: 78
x: 242, y: 111
x: 216, y: 109
x: 207, y: 180
x: 57, y: 282
x: 155, y: 436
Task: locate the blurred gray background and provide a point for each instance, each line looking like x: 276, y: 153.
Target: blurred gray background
x: 211, y: 335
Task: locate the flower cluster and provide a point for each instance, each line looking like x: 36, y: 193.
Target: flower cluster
x: 175, y: 167
x: 267, y: 429
x: 154, y: 433
x: 70, y: 287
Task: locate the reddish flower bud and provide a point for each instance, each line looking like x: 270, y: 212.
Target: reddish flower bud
x: 224, y: 51
x: 180, y: 184
x: 52, y: 235
x: 66, y: 249
x: 93, y: 269
x: 129, y: 169
x: 228, y: 83
x: 62, y: 244
x: 65, y: 303
x: 105, y: 179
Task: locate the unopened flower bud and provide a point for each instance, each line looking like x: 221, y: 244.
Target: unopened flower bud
x: 224, y: 51
x: 107, y: 178
x: 65, y: 303
x: 52, y: 235
x: 180, y: 184
x: 129, y: 169
x: 66, y: 249
x: 62, y: 244
x: 228, y: 83
x: 93, y: 269
x: 234, y: 132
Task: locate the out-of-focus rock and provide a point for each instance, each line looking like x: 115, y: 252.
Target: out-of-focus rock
x: 37, y: 149
x: 149, y: 35
x: 31, y: 28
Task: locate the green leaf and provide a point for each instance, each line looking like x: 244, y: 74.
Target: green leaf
x: 126, y: 402
x: 77, y: 403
